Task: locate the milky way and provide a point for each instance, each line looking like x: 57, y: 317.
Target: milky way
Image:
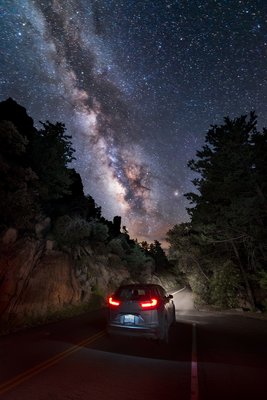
x: 137, y: 84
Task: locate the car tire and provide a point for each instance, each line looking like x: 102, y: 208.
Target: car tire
x: 164, y: 334
x: 173, y: 317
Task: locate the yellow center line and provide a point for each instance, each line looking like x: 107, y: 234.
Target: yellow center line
x: 11, y: 383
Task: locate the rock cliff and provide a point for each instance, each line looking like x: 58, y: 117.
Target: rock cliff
x: 37, y: 281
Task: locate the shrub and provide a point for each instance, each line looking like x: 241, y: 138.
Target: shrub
x: 225, y: 285
x: 76, y: 231
x: 115, y: 246
x: 71, y: 231
x: 99, y: 231
x: 263, y: 279
x: 200, y: 288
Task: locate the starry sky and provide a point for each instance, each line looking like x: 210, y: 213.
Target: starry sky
x: 137, y: 83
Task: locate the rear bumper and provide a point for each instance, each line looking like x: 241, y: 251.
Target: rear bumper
x: 134, y: 331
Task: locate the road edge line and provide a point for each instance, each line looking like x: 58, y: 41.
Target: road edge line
x: 180, y: 290
x: 194, y: 366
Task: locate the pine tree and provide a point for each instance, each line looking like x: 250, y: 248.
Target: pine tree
x: 50, y: 154
x: 159, y: 256
x: 230, y: 208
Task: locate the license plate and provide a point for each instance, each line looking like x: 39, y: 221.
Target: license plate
x: 129, y: 319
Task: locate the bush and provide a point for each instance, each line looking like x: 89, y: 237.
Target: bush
x: 200, y: 288
x: 71, y: 231
x: 116, y: 246
x: 76, y: 231
x: 263, y: 279
x: 99, y: 231
x: 225, y: 285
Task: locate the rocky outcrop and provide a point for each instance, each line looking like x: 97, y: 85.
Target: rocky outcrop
x: 17, y: 263
x: 36, y: 280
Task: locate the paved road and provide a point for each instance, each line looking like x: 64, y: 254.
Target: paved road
x: 210, y: 356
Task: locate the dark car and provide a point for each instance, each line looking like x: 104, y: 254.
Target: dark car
x: 141, y: 310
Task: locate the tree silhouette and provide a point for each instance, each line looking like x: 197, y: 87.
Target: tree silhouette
x: 18, y: 184
x: 230, y: 208
x: 159, y: 256
x: 51, y: 152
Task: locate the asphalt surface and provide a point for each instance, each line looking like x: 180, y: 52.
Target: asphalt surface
x: 209, y: 356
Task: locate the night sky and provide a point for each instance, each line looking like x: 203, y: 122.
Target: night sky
x: 137, y: 83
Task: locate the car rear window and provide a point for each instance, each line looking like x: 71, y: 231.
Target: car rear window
x: 133, y: 293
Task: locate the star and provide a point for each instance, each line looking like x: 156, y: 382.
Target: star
x: 137, y: 84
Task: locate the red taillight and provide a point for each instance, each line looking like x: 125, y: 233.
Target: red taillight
x: 149, y: 304
x: 113, y: 302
